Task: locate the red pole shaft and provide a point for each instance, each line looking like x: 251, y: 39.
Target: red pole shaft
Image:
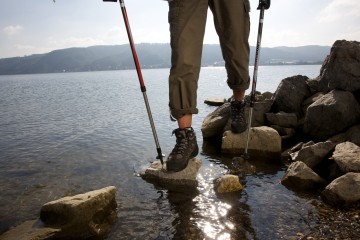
x: 132, y: 45
x: 141, y: 80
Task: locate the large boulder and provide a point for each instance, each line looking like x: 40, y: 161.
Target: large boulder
x: 259, y: 111
x: 288, y: 120
x: 214, y: 123
x: 82, y: 216
x: 313, y: 155
x: 343, y: 191
x: 341, y: 69
x: 347, y: 157
x: 353, y: 134
x: 299, y: 176
x: 331, y: 114
x: 264, y: 142
x: 290, y: 94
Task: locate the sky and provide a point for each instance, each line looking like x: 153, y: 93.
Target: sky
x: 40, y: 26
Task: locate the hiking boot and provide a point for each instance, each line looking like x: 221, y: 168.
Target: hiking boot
x: 238, y: 120
x: 185, y: 148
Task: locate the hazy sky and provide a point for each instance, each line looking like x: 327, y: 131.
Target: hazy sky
x: 39, y: 26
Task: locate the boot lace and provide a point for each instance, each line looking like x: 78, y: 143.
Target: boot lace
x: 181, y: 142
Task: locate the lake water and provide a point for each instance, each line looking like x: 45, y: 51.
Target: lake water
x: 69, y: 133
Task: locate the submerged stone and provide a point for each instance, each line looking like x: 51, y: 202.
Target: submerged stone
x: 33, y: 229
x: 228, y: 183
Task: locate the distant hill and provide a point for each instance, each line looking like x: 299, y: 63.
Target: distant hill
x: 100, y: 58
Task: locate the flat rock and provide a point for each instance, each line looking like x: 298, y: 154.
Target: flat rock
x: 264, y: 142
x: 83, y: 215
x: 215, y: 101
x: 158, y: 174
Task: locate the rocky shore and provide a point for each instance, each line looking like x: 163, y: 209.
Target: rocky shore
x: 318, y: 124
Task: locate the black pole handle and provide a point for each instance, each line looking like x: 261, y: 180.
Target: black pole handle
x: 264, y: 4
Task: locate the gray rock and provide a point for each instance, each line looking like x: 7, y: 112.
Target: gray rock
x: 214, y: 123
x: 297, y: 147
x: 290, y: 94
x: 314, y: 154
x: 309, y: 143
x: 338, y: 138
x: 310, y: 100
x: 259, y: 111
x: 341, y: 69
x: 300, y: 176
x: 228, y: 183
x: 301, y: 145
x: 266, y: 96
x: 283, y: 131
x: 157, y: 173
x: 343, y: 191
x: 347, y: 157
x: 82, y: 216
x: 286, y: 120
x: 264, y: 142
x: 30, y: 230
x: 353, y: 135
x: 331, y: 114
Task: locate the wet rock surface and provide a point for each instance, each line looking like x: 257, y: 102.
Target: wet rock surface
x: 157, y: 173
x: 264, y: 141
x: 83, y: 216
x: 228, y: 183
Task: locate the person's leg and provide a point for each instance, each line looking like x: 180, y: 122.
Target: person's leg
x: 187, y: 19
x: 239, y: 95
x: 232, y: 23
x: 185, y: 121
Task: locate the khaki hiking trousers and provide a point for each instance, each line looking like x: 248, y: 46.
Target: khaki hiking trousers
x: 187, y: 19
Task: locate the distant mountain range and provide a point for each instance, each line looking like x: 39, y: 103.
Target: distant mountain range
x: 100, y: 58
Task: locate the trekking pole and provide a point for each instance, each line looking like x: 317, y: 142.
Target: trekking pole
x: 263, y: 4
x: 141, y: 80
